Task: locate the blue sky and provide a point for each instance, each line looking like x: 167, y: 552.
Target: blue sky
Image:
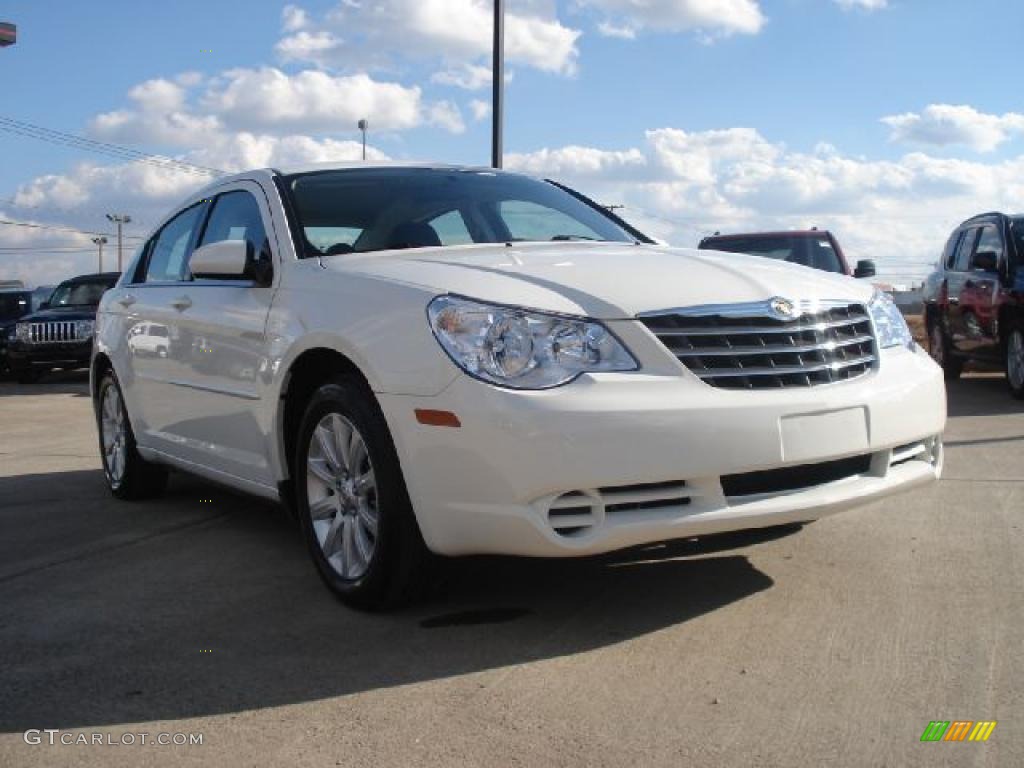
x: 888, y: 121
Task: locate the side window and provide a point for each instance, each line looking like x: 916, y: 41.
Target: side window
x: 169, y: 253
x: 990, y: 241
x: 236, y: 216
x: 949, y: 254
x: 965, y: 250
x: 451, y: 229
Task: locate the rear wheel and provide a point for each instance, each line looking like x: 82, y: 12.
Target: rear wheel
x: 129, y: 476
x: 1015, y: 362
x: 351, y: 499
x: 939, y: 348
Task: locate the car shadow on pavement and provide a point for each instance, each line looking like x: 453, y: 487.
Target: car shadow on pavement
x: 205, y: 602
x: 60, y: 383
x: 981, y: 394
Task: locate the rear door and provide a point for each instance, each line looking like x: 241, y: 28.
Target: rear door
x: 956, y: 280
x: 980, y: 295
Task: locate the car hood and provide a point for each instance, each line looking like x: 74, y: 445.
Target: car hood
x: 602, y: 280
x: 60, y: 313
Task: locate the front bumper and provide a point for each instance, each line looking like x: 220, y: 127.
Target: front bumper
x: 617, y: 460
x: 24, y: 357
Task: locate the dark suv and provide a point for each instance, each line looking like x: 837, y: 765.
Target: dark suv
x: 15, y: 303
x: 59, y: 334
x: 816, y: 248
x: 974, y: 300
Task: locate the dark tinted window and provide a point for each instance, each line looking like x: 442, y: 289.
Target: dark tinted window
x: 965, y: 249
x: 1017, y: 230
x: 236, y: 216
x: 949, y: 254
x: 80, y: 293
x: 990, y: 240
x: 814, y: 252
x: 168, y: 255
x: 382, y: 208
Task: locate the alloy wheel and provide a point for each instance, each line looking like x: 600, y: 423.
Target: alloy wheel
x: 342, y: 494
x: 114, y: 434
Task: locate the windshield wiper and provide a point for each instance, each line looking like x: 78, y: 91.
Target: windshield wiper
x: 566, y: 238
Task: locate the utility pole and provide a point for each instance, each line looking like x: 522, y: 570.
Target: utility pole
x: 120, y: 219
x: 498, y: 85
x: 363, y: 126
x: 100, y: 242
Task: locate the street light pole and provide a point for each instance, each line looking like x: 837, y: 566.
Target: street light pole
x: 100, y: 242
x: 363, y: 125
x: 498, y: 85
x: 120, y: 219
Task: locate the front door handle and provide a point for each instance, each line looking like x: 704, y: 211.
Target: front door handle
x: 182, y: 303
x: 127, y: 300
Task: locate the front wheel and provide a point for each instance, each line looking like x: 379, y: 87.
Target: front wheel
x: 129, y: 476
x: 1015, y: 362
x: 939, y: 348
x: 351, y: 499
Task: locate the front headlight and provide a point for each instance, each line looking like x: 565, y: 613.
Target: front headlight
x: 22, y: 332
x: 523, y: 349
x: 890, y: 327
x: 84, y: 329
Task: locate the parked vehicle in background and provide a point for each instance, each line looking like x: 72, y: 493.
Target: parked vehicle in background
x: 14, y: 305
x: 59, y: 334
x: 814, y: 248
x: 974, y: 299
x: 468, y: 361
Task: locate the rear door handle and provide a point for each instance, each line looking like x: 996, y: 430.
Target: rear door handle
x: 182, y: 303
x: 127, y: 300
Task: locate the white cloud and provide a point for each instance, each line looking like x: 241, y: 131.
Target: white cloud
x: 945, y: 124
x: 481, y: 109
x: 471, y: 77
x: 446, y: 115
x: 681, y: 185
x: 714, y: 18
x: 453, y: 32
x: 863, y: 5
x: 293, y: 18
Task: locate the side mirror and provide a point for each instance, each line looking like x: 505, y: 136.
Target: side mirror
x: 865, y: 268
x: 229, y: 260
x: 44, y: 305
x: 986, y: 261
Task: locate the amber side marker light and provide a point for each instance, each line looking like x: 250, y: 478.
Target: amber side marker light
x: 437, y: 418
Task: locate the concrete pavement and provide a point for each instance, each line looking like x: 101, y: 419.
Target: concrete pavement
x: 200, y: 613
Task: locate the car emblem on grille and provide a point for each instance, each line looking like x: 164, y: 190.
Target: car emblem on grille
x: 783, y: 309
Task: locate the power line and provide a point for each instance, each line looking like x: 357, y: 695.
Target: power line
x: 62, y: 138
x: 78, y: 210
x: 65, y: 229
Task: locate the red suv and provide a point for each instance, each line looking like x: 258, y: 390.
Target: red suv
x: 815, y: 248
x: 974, y: 300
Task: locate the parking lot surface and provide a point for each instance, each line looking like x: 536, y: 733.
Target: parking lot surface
x: 201, y: 613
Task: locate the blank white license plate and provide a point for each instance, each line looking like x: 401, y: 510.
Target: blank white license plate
x: 809, y: 436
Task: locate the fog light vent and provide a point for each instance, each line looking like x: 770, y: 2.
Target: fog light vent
x: 573, y: 513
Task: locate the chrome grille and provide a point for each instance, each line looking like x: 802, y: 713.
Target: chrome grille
x: 55, y: 332
x: 749, y: 346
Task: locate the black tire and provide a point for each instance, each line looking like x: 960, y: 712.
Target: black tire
x: 28, y: 377
x: 396, y: 568
x: 139, y: 479
x: 940, y: 349
x: 1015, y: 373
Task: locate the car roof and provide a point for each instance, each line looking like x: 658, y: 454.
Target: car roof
x: 777, y: 233
x: 94, y: 277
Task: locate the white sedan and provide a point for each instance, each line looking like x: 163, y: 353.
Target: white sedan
x: 456, y: 360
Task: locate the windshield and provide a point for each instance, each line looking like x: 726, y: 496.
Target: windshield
x: 79, y: 294
x: 14, y: 305
x: 814, y: 252
x: 356, y: 211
